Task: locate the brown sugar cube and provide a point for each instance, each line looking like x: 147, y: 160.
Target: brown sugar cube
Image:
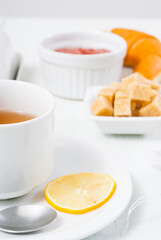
x: 116, y: 85
x: 108, y: 93
x: 102, y: 107
x: 155, y: 86
x: 136, y: 77
x: 122, y: 105
x: 135, y: 108
x: 130, y: 79
x: 139, y: 93
x: 136, y: 105
x: 122, y: 108
x: 153, y: 94
x: 152, y: 109
x: 136, y: 113
x: 120, y: 95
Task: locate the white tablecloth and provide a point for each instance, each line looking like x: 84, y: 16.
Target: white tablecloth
x: 135, y: 152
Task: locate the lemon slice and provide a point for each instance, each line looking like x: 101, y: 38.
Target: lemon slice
x: 79, y: 193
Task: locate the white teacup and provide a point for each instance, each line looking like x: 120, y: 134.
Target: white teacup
x: 26, y: 148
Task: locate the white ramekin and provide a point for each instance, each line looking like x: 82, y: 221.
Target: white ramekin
x: 69, y: 75
x: 26, y: 148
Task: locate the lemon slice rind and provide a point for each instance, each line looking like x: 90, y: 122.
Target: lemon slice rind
x: 71, y: 210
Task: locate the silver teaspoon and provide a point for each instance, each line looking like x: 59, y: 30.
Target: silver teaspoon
x: 26, y: 218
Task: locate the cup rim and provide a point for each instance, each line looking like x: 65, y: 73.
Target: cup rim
x: 35, y: 119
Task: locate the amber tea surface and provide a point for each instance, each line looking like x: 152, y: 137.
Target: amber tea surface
x: 8, y: 117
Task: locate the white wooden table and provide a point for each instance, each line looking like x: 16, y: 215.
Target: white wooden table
x: 135, y: 152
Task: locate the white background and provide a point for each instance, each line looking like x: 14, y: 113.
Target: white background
x: 81, y: 8
x: 135, y: 152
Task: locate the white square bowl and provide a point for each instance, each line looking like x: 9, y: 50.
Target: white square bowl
x: 119, y: 125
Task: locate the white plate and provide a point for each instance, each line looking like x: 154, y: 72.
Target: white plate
x: 119, y: 125
x: 73, y: 155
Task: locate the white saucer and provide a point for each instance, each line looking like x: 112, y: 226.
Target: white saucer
x: 73, y: 155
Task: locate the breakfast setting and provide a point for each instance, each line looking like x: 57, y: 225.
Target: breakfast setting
x: 80, y: 123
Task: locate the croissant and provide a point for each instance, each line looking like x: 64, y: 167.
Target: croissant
x: 142, y: 48
x: 143, y: 52
x: 131, y: 37
x: 150, y: 67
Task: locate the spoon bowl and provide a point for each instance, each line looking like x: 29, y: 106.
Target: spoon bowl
x: 26, y: 218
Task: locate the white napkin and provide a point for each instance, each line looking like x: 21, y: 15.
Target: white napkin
x: 148, y: 230
x: 144, y: 223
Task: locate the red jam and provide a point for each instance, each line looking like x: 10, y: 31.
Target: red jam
x: 82, y: 50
